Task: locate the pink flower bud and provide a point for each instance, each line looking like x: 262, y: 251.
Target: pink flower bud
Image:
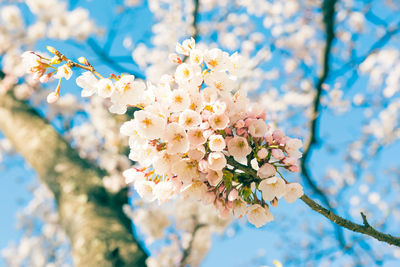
x: 241, y: 131
x: 221, y: 189
x: 233, y: 195
x: 45, y: 78
x: 274, y: 202
x: 278, y: 135
x: 239, y: 124
x: 248, y: 122
x: 262, y: 153
x: 283, y: 140
x: 268, y: 139
x: 228, y: 131
x: 203, y: 166
x: 288, y: 161
x: 277, y: 153
x: 293, y: 168
x: 52, y: 97
x: 267, y: 170
x: 262, y: 115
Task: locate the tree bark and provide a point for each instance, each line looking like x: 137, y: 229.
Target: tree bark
x: 99, y: 232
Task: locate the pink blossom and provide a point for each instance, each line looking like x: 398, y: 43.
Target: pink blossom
x: 238, y: 147
x: 262, y: 153
x: 288, y: 161
x: 277, y: 153
x: 195, y: 136
x: 293, y: 168
x: 228, y: 131
x: 239, y: 124
x: 203, y: 166
x: 233, y: 195
x: 214, y: 177
x: 267, y: 170
x: 278, y: 136
x: 218, y: 121
x: 216, y: 161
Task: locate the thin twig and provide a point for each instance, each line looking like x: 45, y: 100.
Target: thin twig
x: 364, y: 228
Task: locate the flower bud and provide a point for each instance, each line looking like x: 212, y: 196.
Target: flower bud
x: 277, y: 153
x: 233, y: 195
x: 45, y: 78
x: 175, y: 58
x: 52, y: 49
x: 288, y: 161
x: 52, y: 97
x: 228, y: 131
x: 278, y: 136
x: 274, y: 202
x: 262, y: 153
x: 239, y: 124
x: 293, y: 168
x: 83, y: 61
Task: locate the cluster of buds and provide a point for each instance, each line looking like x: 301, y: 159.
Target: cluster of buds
x: 38, y: 65
x: 198, y: 135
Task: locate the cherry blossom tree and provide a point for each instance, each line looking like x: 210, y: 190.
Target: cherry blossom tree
x: 202, y: 124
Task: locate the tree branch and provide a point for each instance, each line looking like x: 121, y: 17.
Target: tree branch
x: 195, y: 19
x: 99, y: 231
x: 328, y: 9
x: 364, y: 228
x: 186, y: 252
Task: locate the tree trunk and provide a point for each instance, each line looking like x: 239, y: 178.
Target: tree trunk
x: 99, y: 232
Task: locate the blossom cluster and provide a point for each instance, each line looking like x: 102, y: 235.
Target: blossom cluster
x: 197, y: 134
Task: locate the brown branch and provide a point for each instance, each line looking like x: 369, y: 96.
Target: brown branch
x: 195, y: 19
x: 328, y: 9
x: 99, y: 232
x: 186, y: 252
x: 328, y: 213
x: 364, y: 228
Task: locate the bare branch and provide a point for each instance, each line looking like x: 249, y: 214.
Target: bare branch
x: 328, y: 9
x: 359, y: 228
x: 195, y: 19
x: 186, y: 252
